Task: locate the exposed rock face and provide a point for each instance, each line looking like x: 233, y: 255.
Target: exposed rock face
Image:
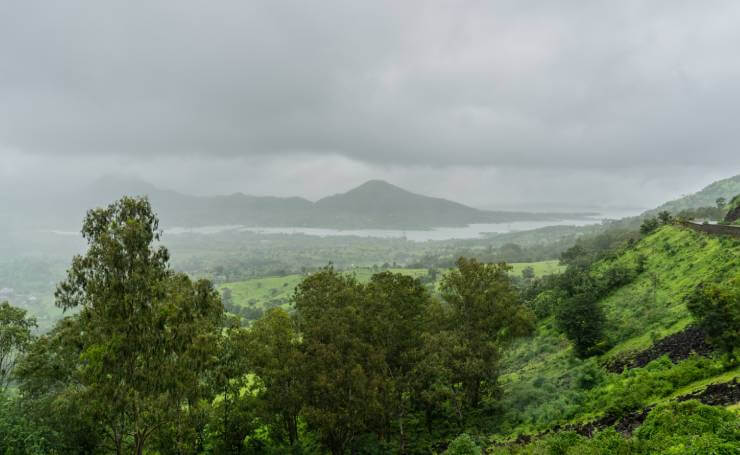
x: 716, y: 394
x: 733, y: 215
x: 677, y: 346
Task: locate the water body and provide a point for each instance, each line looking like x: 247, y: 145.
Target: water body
x: 471, y: 231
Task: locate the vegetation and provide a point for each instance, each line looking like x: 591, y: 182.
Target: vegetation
x: 715, y: 307
x: 706, y: 197
x: 15, y: 338
x: 383, y: 360
x: 688, y: 427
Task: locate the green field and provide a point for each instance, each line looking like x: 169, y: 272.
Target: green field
x: 273, y: 291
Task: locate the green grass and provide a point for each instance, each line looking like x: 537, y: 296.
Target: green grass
x: 542, y: 381
x: 540, y: 268
x: 276, y: 290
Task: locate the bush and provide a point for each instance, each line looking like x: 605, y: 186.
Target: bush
x: 463, y: 445
x: 716, y: 309
x: 672, y: 428
x: 689, y: 427
x: 582, y: 320
x: 649, y: 225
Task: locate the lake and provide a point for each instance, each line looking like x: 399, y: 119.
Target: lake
x: 471, y: 231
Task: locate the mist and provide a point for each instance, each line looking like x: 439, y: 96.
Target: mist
x: 492, y: 104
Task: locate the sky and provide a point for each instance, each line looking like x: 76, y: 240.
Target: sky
x: 498, y: 104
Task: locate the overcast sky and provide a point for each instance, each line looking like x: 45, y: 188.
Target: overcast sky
x: 492, y: 103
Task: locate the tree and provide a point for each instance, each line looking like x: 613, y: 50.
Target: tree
x: 49, y: 383
x: 274, y: 348
x: 578, y: 314
x: 528, y: 272
x: 716, y: 307
x: 649, y: 225
x: 392, y: 322
x: 581, y: 318
x: 665, y: 217
x: 147, y: 331
x: 342, y: 374
x: 721, y: 202
x: 227, y: 298
x: 234, y: 412
x: 487, y: 316
x: 15, y: 338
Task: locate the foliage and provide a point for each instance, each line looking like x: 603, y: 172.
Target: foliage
x: 15, y: 337
x: 579, y: 314
x: 665, y: 217
x: 143, y: 329
x: 18, y: 434
x: 716, y: 307
x: 649, y: 225
x: 463, y: 445
x: 376, y: 362
x: 725, y: 188
x: 673, y: 428
x: 273, y: 344
x: 543, y: 384
x: 486, y: 316
x: 689, y: 427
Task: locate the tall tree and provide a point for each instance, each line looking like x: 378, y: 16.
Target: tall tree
x: 343, y: 374
x: 233, y: 415
x: 15, y: 337
x: 274, y: 348
x: 578, y: 314
x: 147, y: 332
x: 487, y: 316
x: 392, y: 321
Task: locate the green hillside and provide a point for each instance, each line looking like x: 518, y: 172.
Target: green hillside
x: 545, y: 385
x: 707, y: 197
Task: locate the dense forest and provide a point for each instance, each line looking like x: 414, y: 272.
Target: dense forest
x: 459, y: 358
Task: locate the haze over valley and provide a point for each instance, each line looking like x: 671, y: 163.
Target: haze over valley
x: 418, y: 227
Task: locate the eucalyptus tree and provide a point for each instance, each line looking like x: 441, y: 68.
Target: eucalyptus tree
x: 146, y: 333
x: 15, y: 337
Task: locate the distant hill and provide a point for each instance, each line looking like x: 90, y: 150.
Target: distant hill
x: 377, y: 203
x: 707, y: 197
x: 373, y: 205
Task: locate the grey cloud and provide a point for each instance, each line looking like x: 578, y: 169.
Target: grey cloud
x: 508, y: 83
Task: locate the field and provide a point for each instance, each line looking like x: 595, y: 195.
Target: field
x: 273, y: 291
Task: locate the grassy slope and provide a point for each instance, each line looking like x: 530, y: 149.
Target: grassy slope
x: 544, y: 382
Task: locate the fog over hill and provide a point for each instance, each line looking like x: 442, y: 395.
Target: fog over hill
x: 374, y: 204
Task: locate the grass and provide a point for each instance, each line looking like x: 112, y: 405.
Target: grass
x: 545, y: 384
x: 273, y: 291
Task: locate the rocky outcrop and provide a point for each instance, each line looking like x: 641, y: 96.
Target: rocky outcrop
x: 733, y: 215
x: 678, y: 346
x: 716, y: 394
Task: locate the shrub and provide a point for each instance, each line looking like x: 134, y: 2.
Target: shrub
x: 463, y: 445
x: 716, y: 309
x: 582, y: 319
x: 689, y: 427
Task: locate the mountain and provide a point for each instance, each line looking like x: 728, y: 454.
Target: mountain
x: 377, y: 203
x: 374, y: 204
x: 707, y: 197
